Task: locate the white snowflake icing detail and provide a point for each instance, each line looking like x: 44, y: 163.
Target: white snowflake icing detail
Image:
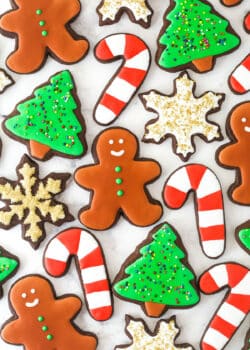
x: 182, y: 115
x: 110, y: 8
x: 5, y: 80
x: 162, y: 339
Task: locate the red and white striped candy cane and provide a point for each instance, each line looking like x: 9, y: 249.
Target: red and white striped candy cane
x: 91, y: 265
x: 239, y: 80
x: 208, y: 203
x: 235, y: 306
x: 247, y: 22
x: 128, y: 79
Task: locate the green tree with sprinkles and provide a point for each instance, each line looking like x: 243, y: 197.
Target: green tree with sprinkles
x: 194, y: 33
x: 158, y: 278
x: 50, y: 121
x: 8, y: 266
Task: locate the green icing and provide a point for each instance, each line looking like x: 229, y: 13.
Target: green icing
x: 49, y: 117
x: 159, y: 275
x: 7, y: 266
x: 194, y: 33
x: 244, y: 237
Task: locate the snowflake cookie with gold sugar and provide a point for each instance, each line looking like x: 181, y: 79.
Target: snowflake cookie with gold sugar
x: 29, y: 201
x: 182, y: 116
x: 163, y: 337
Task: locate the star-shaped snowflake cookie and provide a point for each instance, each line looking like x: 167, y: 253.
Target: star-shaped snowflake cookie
x: 30, y: 201
x: 182, y: 116
x: 5, y: 81
x: 163, y: 338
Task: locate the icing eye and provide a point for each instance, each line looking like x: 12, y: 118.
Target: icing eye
x: 24, y: 295
x: 244, y: 120
x: 121, y: 141
x: 111, y: 142
x: 32, y: 291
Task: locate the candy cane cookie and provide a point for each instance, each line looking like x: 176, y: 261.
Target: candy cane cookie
x: 239, y: 80
x: 208, y: 203
x: 129, y: 77
x: 247, y: 22
x: 234, y: 307
x: 91, y: 267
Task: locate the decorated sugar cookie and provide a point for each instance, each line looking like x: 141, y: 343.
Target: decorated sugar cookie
x: 235, y: 154
x: 231, y: 2
x: 239, y: 80
x: 247, y: 22
x: 118, y: 182
x: 157, y: 275
x: 139, y: 11
x: 41, y: 320
x: 40, y: 28
x: 30, y: 201
x: 192, y: 36
x: 9, y: 264
x: 242, y: 234
x: 163, y: 337
x: 50, y: 121
x: 182, y: 116
x: 5, y: 81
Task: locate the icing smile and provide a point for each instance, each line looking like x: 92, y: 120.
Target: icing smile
x: 34, y: 303
x: 118, y: 153
x: 247, y: 128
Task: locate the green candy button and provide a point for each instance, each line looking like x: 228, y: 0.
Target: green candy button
x: 40, y: 318
x: 49, y: 336
x: 45, y: 328
x: 119, y: 181
x: 44, y: 33
x: 120, y: 193
x: 118, y: 169
x: 41, y: 23
x: 39, y: 12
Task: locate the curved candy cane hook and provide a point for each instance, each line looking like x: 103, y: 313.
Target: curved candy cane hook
x: 208, y: 203
x: 90, y: 264
x: 235, y: 306
x: 127, y: 80
x: 239, y: 80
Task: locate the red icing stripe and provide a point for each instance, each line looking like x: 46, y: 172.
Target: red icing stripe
x: 102, y: 51
x: 246, y: 62
x: 55, y: 267
x: 236, y: 86
x: 205, y: 346
x: 92, y: 259
x: 112, y: 103
x: 222, y: 326
x: 132, y: 75
x: 102, y: 313
x: 240, y: 301
x: 212, y: 232
x: 195, y: 173
x: 173, y: 197
x: 70, y: 238
x: 235, y: 274
x: 96, y: 286
x: 207, y: 283
x: 211, y: 201
x: 133, y: 46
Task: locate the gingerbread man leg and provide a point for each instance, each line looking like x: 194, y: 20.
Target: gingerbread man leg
x: 66, y: 48
x: 140, y: 211
x: 241, y: 193
x: 101, y: 215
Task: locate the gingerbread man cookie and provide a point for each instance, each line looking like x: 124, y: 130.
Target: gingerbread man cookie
x: 118, y: 181
x: 235, y: 154
x: 43, y: 321
x: 42, y: 28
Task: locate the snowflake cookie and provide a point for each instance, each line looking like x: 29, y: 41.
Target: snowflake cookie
x: 30, y: 201
x: 5, y: 81
x: 139, y: 11
x: 182, y: 116
x: 163, y: 338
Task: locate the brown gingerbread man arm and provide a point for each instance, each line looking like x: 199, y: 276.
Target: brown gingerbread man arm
x: 13, y: 331
x: 229, y: 154
x: 73, y: 7
x: 8, y: 21
x: 72, y: 304
x: 88, y: 176
x: 148, y: 170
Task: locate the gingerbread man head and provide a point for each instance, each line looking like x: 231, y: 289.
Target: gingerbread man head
x: 116, y: 144
x: 29, y: 293
x: 240, y: 122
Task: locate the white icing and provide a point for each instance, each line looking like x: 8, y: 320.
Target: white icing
x: 244, y: 120
x: 121, y: 89
x: 121, y: 141
x: 209, y: 184
x: 242, y: 75
x: 182, y: 115
x: 231, y: 314
x: 213, y: 248
x: 116, y: 44
x: 111, y: 142
x: 215, y: 339
x: 98, y: 299
x: 24, y: 295
x: 4, y: 81
x: 139, y: 9
x: 219, y: 275
x: 34, y: 303
x: 32, y: 291
x: 93, y: 274
x: 118, y: 153
x: 247, y: 128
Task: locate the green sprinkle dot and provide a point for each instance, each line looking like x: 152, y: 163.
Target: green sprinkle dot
x: 41, y: 23
x: 44, y: 33
x: 120, y: 193
x: 119, y: 181
x: 40, y: 318
x: 39, y: 12
x: 45, y: 328
x: 118, y: 169
x: 49, y: 336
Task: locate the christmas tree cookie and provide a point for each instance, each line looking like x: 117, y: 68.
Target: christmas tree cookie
x: 192, y: 36
x: 157, y: 276
x: 50, y: 121
x: 242, y: 235
x: 163, y: 337
x: 8, y: 266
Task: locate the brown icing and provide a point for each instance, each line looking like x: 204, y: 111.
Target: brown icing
x: 42, y: 27
x: 42, y: 318
x: 236, y: 153
x: 155, y: 309
x: 38, y: 150
x: 231, y: 2
x: 118, y: 182
x: 204, y: 64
